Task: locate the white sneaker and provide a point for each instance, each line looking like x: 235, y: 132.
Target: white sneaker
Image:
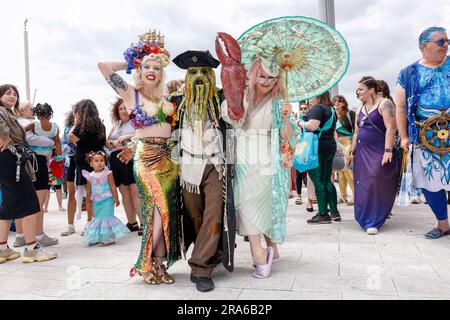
x: 84, y: 229
x: 38, y: 255
x: 416, y: 200
x: 69, y: 230
x: 47, y: 241
x: 372, y: 231
x: 8, y: 254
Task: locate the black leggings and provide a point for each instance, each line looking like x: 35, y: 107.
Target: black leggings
x: 325, y: 190
x: 299, y: 178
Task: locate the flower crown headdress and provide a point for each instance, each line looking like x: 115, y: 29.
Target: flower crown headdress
x: 150, y: 44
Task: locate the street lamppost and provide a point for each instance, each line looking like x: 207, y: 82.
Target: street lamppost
x: 327, y: 15
x: 27, y: 62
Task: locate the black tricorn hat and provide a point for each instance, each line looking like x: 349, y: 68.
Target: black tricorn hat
x: 191, y: 59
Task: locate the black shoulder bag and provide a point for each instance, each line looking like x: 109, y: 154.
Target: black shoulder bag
x: 23, y: 154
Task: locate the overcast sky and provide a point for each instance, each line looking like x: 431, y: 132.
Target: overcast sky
x: 68, y: 38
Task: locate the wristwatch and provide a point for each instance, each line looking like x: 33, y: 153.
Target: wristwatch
x: 388, y: 150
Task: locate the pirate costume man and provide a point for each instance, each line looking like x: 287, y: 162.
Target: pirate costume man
x: 206, y: 164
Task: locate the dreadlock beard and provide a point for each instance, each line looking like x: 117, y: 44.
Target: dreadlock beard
x: 200, y: 98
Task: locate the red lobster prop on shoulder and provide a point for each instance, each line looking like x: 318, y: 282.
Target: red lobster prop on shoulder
x: 233, y: 74
x: 234, y: 77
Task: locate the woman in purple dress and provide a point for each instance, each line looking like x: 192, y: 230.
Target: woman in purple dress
x: 372, y: 152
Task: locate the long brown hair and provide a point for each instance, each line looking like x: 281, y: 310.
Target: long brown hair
x: 90, y: 120
x: 344, y: 111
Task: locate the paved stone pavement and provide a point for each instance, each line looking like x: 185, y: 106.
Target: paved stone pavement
x: 336, y: 261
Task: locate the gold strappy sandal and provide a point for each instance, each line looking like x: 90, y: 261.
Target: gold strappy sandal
x: 166, y: 278
x: 151, y: 277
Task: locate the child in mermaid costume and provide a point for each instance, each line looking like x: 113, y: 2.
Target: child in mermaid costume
x: 105, y: 228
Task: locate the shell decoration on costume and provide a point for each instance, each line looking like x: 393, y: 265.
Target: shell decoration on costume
x: 148, y: 114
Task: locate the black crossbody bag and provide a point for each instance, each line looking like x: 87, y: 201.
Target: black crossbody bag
x: 23, y: 153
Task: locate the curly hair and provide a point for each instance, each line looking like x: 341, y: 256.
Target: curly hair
x: 43, y: 111
x: 90, y: 120
x: 115, y: 115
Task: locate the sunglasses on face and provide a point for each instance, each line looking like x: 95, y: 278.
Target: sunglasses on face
x: 441, y: 42
x: 304, y: 109
x: 270, y: 80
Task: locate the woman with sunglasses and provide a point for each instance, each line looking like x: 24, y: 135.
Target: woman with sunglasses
x: 376, y: 168
x: 423, y: 92
x: 303, y: 176
x: 262, y: 183
x: 345, y: 127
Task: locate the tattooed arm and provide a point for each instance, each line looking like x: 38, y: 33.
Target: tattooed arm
x: 387, y: 110
x: 123, y: 89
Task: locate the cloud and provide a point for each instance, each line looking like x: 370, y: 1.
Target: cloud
x: 68, y: 38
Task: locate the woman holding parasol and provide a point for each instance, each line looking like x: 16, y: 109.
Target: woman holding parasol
x: 295, y: 58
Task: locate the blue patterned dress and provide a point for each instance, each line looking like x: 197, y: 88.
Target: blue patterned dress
x: 430, y: 171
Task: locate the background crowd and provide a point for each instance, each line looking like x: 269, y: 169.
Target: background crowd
x: 360, y: 150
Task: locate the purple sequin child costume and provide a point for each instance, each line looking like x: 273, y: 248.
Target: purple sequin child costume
x: 105, y: 228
